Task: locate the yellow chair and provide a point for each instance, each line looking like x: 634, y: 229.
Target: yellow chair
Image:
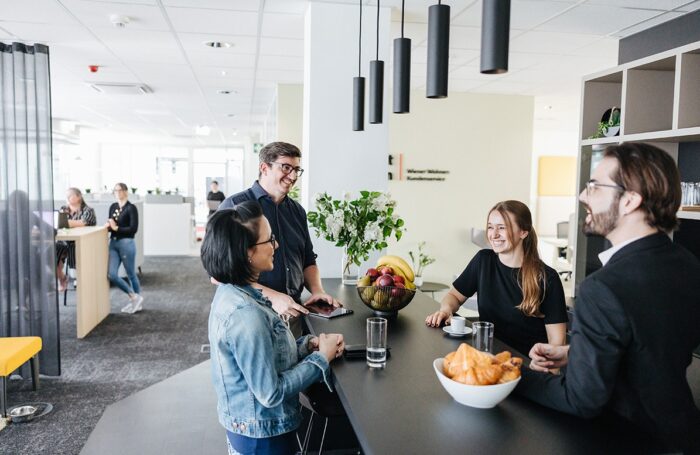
x: 14, y: 352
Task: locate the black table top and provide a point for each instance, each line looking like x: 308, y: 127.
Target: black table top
x: 404, y: 409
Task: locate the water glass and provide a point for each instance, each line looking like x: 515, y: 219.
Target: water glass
x: 376, y: 342
x: 482, y: 336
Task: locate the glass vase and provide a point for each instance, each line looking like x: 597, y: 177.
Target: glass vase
x: 418, y: 281
x: 350, y: 270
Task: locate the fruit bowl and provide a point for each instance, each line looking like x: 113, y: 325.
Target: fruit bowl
x: 385, y: 300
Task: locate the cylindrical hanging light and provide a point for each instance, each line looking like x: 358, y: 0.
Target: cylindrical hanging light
x: 495, y: 35
x: 438, y: 50
x: 402, y: 71
x: 376, y: 83
x: 358, y: 88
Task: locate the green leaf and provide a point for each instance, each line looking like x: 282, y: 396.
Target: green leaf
x: 364, y: 193
x: 399, y: 222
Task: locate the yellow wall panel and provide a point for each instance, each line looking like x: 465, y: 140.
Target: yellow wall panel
x: 556, y: 176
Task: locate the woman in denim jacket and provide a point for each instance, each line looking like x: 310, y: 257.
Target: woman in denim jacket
x: 258, y: 369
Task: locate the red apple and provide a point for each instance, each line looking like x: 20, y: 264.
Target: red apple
x: 385, y: 280
x: 399, y: 279
x: 397, y: 290
x: 386, y: 271
x: 372, y: 273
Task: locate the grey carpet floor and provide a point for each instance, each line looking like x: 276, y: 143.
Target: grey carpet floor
x: 124, y: 354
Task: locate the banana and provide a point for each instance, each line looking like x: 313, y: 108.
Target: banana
x: 398, y: 263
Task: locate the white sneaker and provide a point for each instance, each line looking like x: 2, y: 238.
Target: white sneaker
x: 137, y: 304
x: 128, y: 308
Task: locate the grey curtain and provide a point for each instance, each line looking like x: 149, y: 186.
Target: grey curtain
x: 29, y: 302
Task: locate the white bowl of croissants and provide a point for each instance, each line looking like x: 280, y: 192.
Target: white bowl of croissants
x: 478, y: 379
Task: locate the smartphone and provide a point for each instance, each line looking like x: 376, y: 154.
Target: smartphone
x: 323, y: 309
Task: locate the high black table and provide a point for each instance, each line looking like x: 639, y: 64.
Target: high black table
x: 403, y: 409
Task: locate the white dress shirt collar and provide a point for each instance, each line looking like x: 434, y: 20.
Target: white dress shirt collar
x: 607, y: 254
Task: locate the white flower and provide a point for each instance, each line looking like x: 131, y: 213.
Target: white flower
x: 318, y: 197
x: 347, y: 196
x: 372, y: 232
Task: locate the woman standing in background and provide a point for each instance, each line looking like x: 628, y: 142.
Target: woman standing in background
x: 122, y: 225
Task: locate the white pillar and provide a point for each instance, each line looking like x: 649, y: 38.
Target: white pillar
x: 336, y: 158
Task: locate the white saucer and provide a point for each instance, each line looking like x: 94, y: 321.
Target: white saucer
x: 448, y: 330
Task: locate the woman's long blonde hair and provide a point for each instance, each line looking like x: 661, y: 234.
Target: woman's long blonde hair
x: 531, y: 277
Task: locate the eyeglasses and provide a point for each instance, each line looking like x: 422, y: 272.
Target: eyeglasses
x: 117, y: 190
x: 288, y: 168
x: 591, y: 185
x: 271, y: 241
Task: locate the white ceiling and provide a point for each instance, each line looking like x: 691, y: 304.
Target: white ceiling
x: 552, y: 43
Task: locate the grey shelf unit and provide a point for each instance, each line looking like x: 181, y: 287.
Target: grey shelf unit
x: 659, y: 97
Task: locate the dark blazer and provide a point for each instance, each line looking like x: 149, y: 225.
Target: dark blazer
x: 636, y: 323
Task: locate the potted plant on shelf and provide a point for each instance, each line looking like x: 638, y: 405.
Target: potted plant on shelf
x: 133, y: 190
x: 420, y: 261
x: 609, y: 125
x: 358, y: 225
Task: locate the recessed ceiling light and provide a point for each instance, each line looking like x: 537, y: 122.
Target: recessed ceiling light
x: 223, y: 72
x: 235, y: 132
x: 226, y: 92
x: 218, y: 44
x: 230, y: 115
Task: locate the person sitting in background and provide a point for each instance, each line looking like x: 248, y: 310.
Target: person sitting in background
x: 122, y: 225
x: 257, y: 369
x: 517, y: 292
x: 79, y: 215
x: 215, y: 195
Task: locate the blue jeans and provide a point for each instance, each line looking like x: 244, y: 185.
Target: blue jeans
x: 123, y: 251
x: 284, y: 444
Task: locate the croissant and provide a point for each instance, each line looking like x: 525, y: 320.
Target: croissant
x: 484, y: 375
x: 471, y: 366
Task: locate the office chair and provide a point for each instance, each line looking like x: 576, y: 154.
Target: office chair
x: 323, y: 403
x: 563, y: 230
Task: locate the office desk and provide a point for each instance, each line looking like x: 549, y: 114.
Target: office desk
x: 91, y: 258
x: 403, y: 409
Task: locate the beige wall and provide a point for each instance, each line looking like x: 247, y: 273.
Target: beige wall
x: 485, y: 141
x: 290, y: 100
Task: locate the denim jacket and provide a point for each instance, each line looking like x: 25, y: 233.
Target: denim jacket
x: 257, y: 368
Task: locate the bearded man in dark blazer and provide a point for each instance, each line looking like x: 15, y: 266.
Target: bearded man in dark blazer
x: 637, y: 319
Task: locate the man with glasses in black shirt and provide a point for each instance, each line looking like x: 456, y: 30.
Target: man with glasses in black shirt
x: 295, y: 260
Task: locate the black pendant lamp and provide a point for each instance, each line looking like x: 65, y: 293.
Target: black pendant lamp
x: 438, y: 50
x: 495, y: 34
x: 402, y: 71
x: 376, y: 83
x: 358, y: 88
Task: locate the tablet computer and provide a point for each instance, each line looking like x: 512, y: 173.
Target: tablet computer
x: 323, y: 309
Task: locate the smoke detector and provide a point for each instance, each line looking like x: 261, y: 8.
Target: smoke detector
x: 119, y: 20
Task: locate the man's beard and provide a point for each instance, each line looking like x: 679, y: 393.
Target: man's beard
x: 603, y: 223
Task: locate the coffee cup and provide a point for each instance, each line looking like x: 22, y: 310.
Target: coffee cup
x: 458, y: 324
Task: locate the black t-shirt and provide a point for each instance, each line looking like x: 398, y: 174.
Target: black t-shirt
x: 218, y: 196
x: 499, y: 294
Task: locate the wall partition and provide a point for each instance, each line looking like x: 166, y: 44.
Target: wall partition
x: 28, y: 301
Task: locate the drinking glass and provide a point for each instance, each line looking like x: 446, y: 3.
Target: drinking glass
x: 482, y: 336
x: 376, y: 342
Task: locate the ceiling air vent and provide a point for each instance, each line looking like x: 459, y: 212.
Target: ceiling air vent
x: 120, y: 88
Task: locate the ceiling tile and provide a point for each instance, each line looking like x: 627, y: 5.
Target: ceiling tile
x: 524, y: 14
x: 550, y: 42
x: 286, y: 6
x: 665, y: 17
x: 240, y: 5
x: 694, y: 6
x: 661, y: 5
x: 465, y: 37
x: 268, y: 62
x: 282, y: 76
x: 283, y: 26
x: 141, y: 45
x: 596, y: 19
x: 48, y: 33
x: 36, y: 11
x: 214, y: 21
x: 97, y: 14
x: 277, y: 46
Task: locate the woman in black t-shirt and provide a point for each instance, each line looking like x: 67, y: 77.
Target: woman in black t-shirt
x: 521, y: 295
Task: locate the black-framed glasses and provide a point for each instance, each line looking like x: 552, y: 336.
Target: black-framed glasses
x: 288, y: 168
x: 271, y: 241
x: 591, y: 185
